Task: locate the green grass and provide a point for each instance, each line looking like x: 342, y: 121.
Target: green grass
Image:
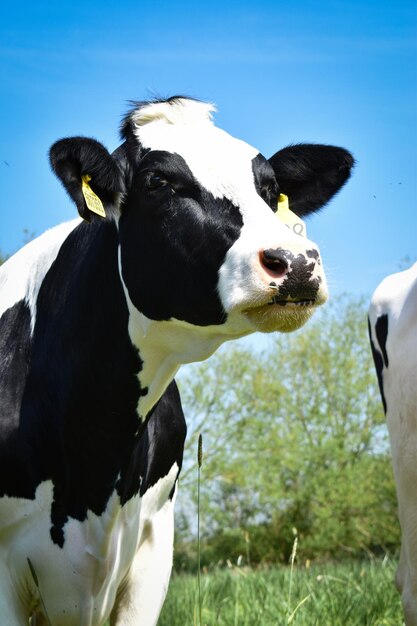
x: 349, y: 594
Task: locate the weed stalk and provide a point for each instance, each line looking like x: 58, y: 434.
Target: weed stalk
x: 292, y: 559
x: 199, y: 464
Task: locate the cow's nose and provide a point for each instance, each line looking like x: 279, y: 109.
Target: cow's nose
x: 274, y: 262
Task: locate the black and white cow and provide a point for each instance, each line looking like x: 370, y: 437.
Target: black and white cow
x: 393, y: 333
x: 95, y: 320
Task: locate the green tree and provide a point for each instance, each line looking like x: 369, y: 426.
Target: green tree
x: 294, y: 438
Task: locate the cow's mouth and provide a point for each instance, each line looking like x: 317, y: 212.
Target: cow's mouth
x: 276, y: 300
x: 282, y: 314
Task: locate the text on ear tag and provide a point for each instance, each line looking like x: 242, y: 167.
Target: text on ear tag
x: 289, y: 218
x: 92, y: 200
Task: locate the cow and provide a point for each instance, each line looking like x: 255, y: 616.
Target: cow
x: 176, y: 249
x: 393, y: 336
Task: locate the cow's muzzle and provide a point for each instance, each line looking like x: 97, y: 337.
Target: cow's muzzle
x: 294, y: 285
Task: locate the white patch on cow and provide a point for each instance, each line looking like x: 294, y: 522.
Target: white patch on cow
x: 80, y: 581
x: 22, y: 275
x: 396, y: 297
x: 179, y: 110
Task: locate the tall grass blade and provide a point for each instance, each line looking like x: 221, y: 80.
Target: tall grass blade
x: 199, y: 464
x: 292, y: 559
x: 291, y: 617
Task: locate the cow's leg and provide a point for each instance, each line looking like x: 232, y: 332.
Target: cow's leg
x: 143, y: 592
x: 406, y: 578
x: 403, y: 435
x: 12, y: 610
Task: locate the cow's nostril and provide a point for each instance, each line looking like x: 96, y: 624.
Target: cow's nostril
x: 274, y: 261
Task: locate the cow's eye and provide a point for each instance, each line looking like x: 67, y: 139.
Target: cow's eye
x: 155, y: 181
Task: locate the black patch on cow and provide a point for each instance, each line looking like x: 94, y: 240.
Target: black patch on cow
x: 71, y: 417
x: 174, y: 237
x: 15, y: 351
x: 313, y: 254
x: 265, y: 181
x: 379, y: 366
x: 157, y: 447
x: 299, y: 284
x: 381, y: 331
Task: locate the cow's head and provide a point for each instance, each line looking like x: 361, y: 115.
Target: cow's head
x: 200, y: 242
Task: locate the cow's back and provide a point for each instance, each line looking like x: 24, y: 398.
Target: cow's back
x: 393, y: 327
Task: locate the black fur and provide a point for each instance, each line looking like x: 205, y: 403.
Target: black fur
x: 158, y: 446
x: 15, y: 355
x: 381, y: 331
x: 265, y: 181
x: 299, y: 284
x: 379, y: 367
x: 311, y: 174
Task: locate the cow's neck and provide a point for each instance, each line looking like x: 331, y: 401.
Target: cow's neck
x: 94, y: 305
x: 164, y: 347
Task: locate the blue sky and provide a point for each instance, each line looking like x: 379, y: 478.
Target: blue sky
x: 340, y: 72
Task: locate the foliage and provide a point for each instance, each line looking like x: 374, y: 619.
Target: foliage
x: 348, y: 594
x: 294, y: 439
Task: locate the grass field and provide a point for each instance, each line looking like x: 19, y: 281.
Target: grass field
x: 350, y: 594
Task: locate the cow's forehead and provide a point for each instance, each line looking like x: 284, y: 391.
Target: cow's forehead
x: 221, y: 163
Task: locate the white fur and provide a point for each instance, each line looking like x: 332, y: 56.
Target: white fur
x: 146, y: 584
x: 397, y: 297
x: 179, y: 111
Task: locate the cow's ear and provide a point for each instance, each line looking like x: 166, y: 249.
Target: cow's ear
x: 311, y: 174
x: 89, y: 173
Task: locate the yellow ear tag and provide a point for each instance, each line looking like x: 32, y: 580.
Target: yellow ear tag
x: 92, y: 201
x: 289, y: 218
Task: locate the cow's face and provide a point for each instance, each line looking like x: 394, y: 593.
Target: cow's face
x: 199, y: 238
